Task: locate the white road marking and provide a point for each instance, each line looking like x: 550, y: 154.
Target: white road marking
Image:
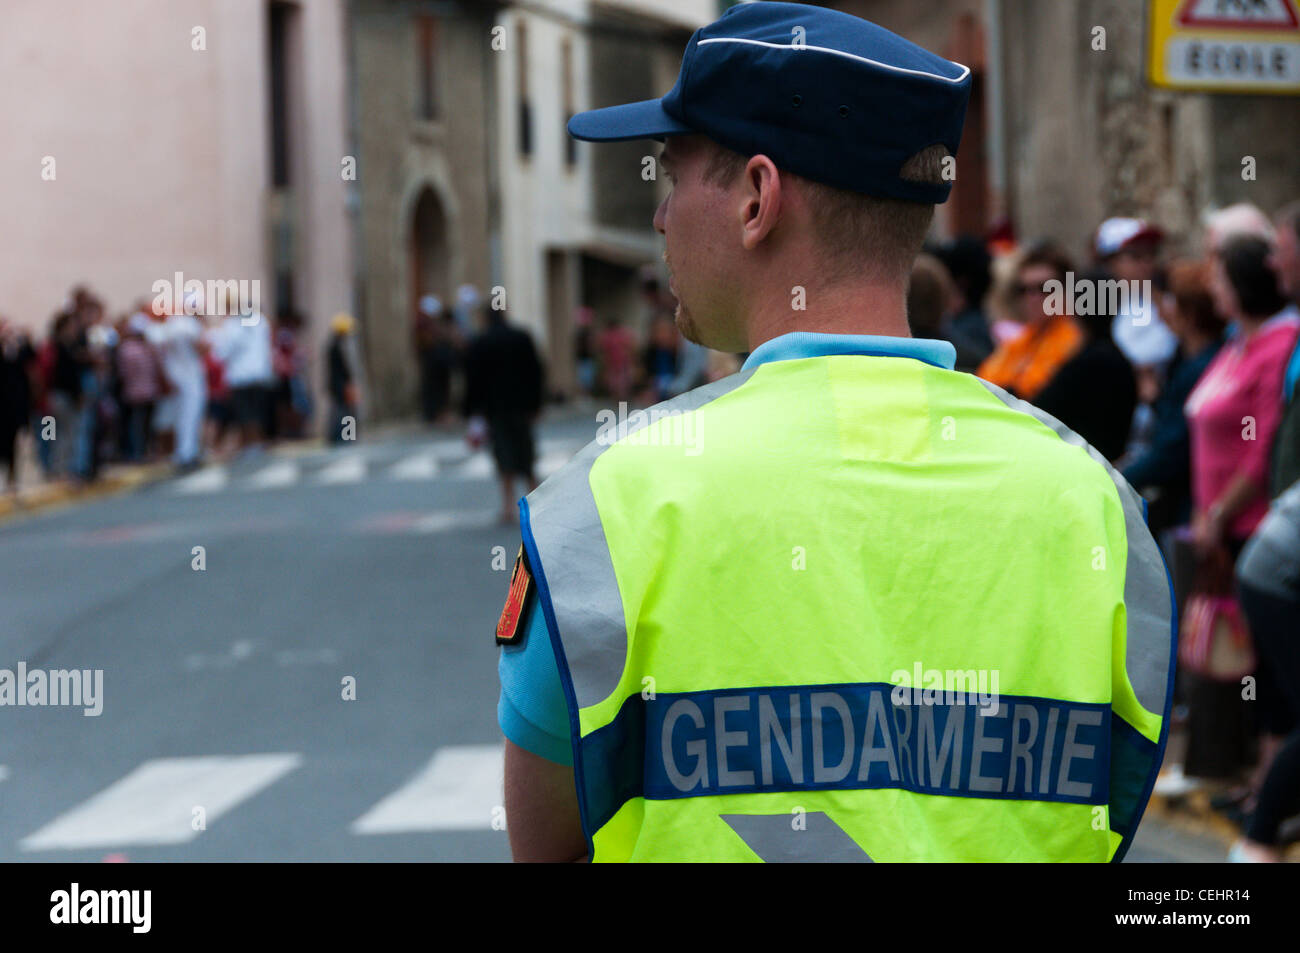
x: 4, y: 772
x: 207, y: 480
x: 348, y: 469
x: 477, y: 467
x: 458, y: 790
x: 306, y: 657
x: 274, y: 475
x: 239, y: 651
x: 422, y: 466
x: 440, y: 521
x: 447, y: 448
x: 155, y: 803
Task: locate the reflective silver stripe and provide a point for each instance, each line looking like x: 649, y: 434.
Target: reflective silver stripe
x: 576, y: 562
x: 777, y: 839
x: 1146, y: 584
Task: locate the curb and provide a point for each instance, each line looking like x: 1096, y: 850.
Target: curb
x: 114, y: 480
x: 1191, y: 813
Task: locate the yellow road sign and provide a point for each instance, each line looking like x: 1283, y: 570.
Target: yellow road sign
x: 1228, y: 46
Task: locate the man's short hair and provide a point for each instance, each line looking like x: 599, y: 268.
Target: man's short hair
x: 859, y: 233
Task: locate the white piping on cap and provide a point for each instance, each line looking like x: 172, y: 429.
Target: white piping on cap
x: 965, y: 70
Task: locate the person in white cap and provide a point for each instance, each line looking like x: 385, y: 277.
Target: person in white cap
x: 1128, y: 247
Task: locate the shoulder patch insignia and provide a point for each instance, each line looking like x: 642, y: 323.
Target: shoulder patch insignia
x: 510, y: 627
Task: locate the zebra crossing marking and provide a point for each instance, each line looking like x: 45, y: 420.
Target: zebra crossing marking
x: 346, y: 469
x: 439, y: 521
x: 155, y: 803
x: 459, y: 789
x: 421, y: 466
x: 274, y: 475
x: 353, y: 466
x: 207, y: 480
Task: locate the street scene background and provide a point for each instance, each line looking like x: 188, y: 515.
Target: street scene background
x: 300, y: 298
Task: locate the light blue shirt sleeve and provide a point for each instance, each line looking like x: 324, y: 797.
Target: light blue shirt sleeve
x: 532, y: 710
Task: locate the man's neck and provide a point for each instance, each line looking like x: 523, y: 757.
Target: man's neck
x: 843, y: 309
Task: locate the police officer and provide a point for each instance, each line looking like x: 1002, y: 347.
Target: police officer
x: 846, y: 604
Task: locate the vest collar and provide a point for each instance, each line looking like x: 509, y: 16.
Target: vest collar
x: 801, y: 344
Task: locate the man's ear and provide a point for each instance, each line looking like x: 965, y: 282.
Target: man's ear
x: 761, y: 204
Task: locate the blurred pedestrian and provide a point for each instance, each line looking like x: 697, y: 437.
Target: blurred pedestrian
x: 341, y: 381
x: 1242, y: 218
x: 243, y: 345
x: 217, y: 417
x: 67, y: 375
x: 1050, y: 337
x: 932, y: 297
x: 584, y: 349
x: 659, y: 358
x: 465, y: 313
x: 1164, y: 465
x: 291, y: 400
x: 1268, y: 584
x: 616, y: 344
x: 16, y: 358
x: 100, y: 413
x: 140, y: 371
x: 1235, y: 409
x: 503, y: 386
x: 1128, y: 248
x: 1095, y: 391
x: 435, y: 376
x: 969, y: 264
x: 1285, y: 261
x: 1233, y: 414
x: 179, y: 338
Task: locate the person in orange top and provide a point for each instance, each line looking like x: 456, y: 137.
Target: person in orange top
x: 1025, y: 364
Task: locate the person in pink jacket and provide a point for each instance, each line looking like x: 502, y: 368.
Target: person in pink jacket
x: 1234, y: 410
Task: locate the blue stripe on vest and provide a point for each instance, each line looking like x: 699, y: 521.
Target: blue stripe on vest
x: 846, y: 737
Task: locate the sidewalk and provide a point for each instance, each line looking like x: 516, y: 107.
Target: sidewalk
x: 1188, y: 810
x: 37, y: 494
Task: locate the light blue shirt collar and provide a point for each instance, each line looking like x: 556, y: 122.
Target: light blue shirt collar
x: 801, y: 344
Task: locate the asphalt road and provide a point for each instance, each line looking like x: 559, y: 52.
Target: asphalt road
x: 225, y: 733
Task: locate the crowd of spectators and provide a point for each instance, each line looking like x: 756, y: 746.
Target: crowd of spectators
x: 154, y: 383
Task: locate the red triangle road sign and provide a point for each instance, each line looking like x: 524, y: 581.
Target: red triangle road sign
x: 1238, y: 14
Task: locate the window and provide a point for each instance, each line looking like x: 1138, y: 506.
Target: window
x: 525, y: 108
x: 426, y: 94
x: 566, y: 77
x: 280, y: 14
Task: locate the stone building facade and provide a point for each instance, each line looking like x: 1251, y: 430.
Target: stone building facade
x: 425, y: 196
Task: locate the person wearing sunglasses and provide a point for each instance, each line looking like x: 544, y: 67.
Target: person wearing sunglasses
x: 1028, y: 362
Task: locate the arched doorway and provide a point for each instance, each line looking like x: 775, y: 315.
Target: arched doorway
x: 429, y: 253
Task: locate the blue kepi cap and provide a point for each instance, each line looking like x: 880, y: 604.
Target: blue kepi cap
x: 824, y: 94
